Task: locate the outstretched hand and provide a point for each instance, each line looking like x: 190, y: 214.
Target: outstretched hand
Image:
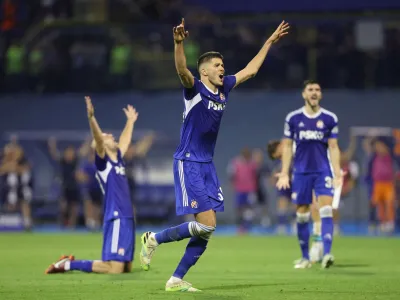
x: 179, y: 32
x: 131, y: 113
x: 281, y: 31
x: 89, y: 107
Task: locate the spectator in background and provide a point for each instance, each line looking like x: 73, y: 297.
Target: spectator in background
x: 68, y: 163
x: 243, y: 174
x: 90, y: 188
x: 369, y: 153
x: 383, y: 176
x: 17, y: 182
x: 135, y: 156
x: 263, y: 172
x: 351, y: 172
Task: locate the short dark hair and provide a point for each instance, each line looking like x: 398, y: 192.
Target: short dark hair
x: 271, y: 148
x: 207, y: 57
x: 308, y: 82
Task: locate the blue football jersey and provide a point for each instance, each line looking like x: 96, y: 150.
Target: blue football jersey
x: 310, y: 134
x: 114, y: 184
x: 201, y: 120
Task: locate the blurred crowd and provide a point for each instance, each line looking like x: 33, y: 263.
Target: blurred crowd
x: 78, y: 192
x: 375, y: 170
x: 57, y: 46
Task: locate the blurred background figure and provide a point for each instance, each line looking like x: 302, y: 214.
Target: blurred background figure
x: 70, y: 197
x: 243, y: 172
x: 90, y: 189
x: 383, y: 176
x: 135, y: 158
x: 17, y: 181
x: 263, y: 173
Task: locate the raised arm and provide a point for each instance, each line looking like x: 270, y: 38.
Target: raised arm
x: 97, y: 134
x: 255, y: 64
x: 143, y: 146
x: 184, y: 74
x: 53, y: 150
x: 126, y: 136
x: 348, y: 154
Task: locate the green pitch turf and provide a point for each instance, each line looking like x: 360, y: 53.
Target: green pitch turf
x: 232, y: 268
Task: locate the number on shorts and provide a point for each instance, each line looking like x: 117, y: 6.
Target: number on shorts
x: 220, y: 195
x: 328, y: 182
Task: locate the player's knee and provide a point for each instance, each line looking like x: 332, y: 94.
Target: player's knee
x: 303, y: 217
x: 326, y: 211
x: 116, y: 267
x: 201, y: 230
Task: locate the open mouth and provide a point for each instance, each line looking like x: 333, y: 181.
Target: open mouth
x: 221, y: 76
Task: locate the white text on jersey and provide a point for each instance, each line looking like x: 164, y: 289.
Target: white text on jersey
x: 311, y: 135
x: 215, y: 105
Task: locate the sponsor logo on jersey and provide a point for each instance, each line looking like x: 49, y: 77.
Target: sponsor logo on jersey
x: 215, y: 105
x: 311, y: 135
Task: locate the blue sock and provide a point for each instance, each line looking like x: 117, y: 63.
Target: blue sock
x: 303, y: 233
x: 372, y: 215
x: 194, y: 250
x: 282, y: 218
x: 326, y: 227
x: 81, y: 265
x: 174, y: 234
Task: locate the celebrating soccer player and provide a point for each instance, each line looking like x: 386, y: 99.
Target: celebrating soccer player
x: 119, y: 225
x: 197, y: 188
x: 314, y: 131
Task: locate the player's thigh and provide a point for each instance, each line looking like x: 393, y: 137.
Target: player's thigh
x: 323, y: 188
x: 389, y: 192
x: 119, y: 240
x: 192, y: 189
x: 208, y: 218
x: 302, y: 189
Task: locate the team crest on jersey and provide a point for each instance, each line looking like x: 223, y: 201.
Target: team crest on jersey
x: 121, y: 251
x: 320, y: 124
x: 222, y: 96
x: 194, y: 204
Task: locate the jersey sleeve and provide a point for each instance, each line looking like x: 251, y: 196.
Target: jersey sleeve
x: 334, y: 128
x: 100, y: 163
x: 229, y: 83
x: 288, y: 130
x: 189, y: 93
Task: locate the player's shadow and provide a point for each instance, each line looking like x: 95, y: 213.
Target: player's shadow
x: 242, y: 286
x: 350, y: 265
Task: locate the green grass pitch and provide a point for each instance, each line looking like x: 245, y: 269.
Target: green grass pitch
x: 232, y: 268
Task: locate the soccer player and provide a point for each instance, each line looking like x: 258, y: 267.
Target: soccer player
x: 197, y: 187
x: 315, y: 132
x: 119, y: 225
x: 274, y: 149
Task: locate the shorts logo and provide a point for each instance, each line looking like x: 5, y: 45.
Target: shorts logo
x: 294, y: 196
x: 193, y: 204
x: 121, y: 251
x: 320, y: 124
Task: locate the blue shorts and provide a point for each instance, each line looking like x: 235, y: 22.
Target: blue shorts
x: 244, y: 199
x: 119, y: 240
x: 197, y: 187
x: 285, y: 193
x: 303, y: 186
